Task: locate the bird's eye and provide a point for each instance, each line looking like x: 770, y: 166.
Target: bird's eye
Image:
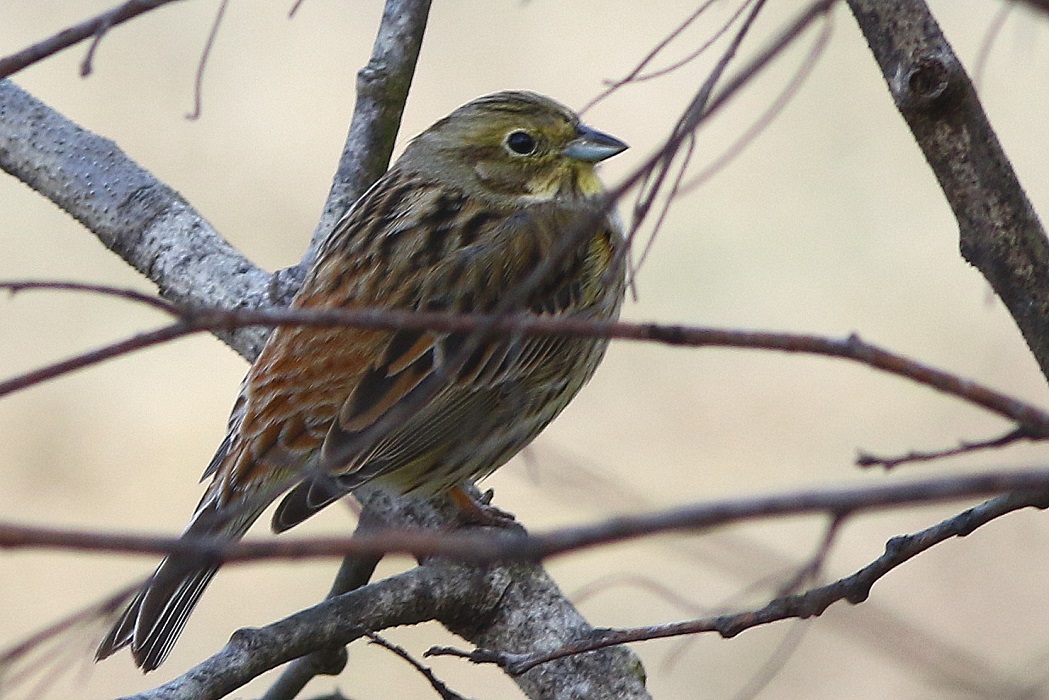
x: 521, y: 142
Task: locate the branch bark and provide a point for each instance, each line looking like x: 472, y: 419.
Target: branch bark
x: 435, y: 591
x: 148, y: 224
x: 999, y: 232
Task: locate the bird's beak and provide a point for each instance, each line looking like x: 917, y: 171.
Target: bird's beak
x: 593, y: 146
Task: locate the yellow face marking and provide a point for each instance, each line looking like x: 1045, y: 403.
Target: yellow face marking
x: 589, y: 184
x: 568, y: 180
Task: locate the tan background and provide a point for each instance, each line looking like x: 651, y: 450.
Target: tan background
x: 829, y: 223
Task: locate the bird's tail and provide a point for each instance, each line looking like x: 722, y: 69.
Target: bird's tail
x: 155, y: 617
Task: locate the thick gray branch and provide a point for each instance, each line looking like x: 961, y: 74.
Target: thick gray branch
x: 532, y: 614
x: 434, y: 591
x: 999, y: 231
x: 140, y: 219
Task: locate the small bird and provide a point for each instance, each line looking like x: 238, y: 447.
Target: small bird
x: 475, y: 204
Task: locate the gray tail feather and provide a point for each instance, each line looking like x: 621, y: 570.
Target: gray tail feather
x: 155, y: 617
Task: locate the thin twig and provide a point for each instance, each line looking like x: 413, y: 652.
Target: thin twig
x: 472, y: 546
x: 810, y: 570
x: 990, y: 35
x: 97, y: 356
x: 18, y: 286
x: 635, y: 75
x: 759, y: 125
x: 773, y: 663
x: 436, y: 683
x: 854, y: 588
x: 94, y: 27
x: 865, y: 459
x: 685, y: 128
x: 194, y: 320
x: 198, y: 79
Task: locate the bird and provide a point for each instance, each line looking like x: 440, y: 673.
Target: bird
x: 479, y: 201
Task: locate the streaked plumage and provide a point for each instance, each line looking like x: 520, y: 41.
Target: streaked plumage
x: 476, y: 202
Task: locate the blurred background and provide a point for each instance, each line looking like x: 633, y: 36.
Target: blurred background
x: 828, y: 223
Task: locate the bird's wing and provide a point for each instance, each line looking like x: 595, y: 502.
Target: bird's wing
x: 464, y: 382
x: 354, y: 404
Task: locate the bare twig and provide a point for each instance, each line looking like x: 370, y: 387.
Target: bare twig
x: 439, y: 686
x: 94, y: 357
x: 198, y: 79
x: 19, y: 286
x: 469, y: 546
x: 865, y: 459
x: 636, y: 75
x: 854, y: 588
x: 95, y: 27
x: 811, y: 569
x: 990, y: 36
x: 195, y: 320
x: 773, y: 663
x: 765, y: 118
x: 652, y: 184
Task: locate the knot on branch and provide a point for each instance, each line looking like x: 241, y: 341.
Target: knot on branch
x: 376, y: 80
x: 247, y: 639
x: 928, y: 81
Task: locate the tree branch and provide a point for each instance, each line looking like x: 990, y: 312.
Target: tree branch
x: 854, y: 588
x: 414, y: 529
x: 382, y: 90
x: 437, y: 590
x: 95, y: 27
x: 1030, y: 418
x: 146, y: 223
x: 1000, y: 234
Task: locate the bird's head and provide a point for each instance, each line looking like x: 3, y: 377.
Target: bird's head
x: 514, y: 145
